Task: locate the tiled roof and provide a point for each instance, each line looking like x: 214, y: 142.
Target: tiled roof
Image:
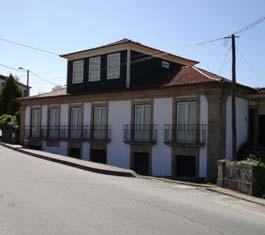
x: 124, y: 41
x: 59, y: 92
x: 187, y: 76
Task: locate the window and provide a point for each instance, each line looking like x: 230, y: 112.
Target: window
x: 35, y: 119
x: 76, y: 123
x: 78, y: 71
x: 76, y: 119
x: 35, y: 123
x: 53, y: 117
x: 165, y: 64
x: 142, y: 114
x: 94, y: 69
x: 99, y: 121
x: 113, y: 67
x: 100, y: 115
x: 186, y: 113
x: 142, y: 121
x: 53, y: 129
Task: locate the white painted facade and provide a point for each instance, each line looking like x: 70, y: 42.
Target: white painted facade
x: 118, y: 153
x: 241, y: 124
x: 119, y: 114
x: 203, y: 149
x: 161, y: 153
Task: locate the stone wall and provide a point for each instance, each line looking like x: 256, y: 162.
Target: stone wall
x: 236, y: 176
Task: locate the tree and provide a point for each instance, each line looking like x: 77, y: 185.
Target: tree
x: 57, y: 87
x: 8, y: 95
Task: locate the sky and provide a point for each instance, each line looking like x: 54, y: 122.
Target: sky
x: 67, y: 26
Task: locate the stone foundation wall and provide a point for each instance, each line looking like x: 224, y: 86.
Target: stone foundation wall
x: 236, y: 176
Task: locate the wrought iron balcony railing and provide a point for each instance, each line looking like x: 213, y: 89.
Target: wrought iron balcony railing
x: 79, y: 132
x: 140, y: 134
x: 190, y: 134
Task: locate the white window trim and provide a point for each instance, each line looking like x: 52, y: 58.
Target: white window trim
x: 109, y: 74
x: 81, y: 64
x: 91, y: 61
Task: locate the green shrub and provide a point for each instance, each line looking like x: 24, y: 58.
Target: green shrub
x: 258, y: 167
x: 8, y: 121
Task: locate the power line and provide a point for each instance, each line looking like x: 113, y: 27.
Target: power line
x: 9, y: 67
x: 28, y: 46
x: 250, y: 26
x: 43, y: 78
x: 224, y: 61
x: 249, y: 65
x: 36, y: 75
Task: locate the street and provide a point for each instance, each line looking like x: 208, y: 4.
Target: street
x: 42, y: 197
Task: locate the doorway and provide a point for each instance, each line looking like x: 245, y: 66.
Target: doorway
x: 98, y: 155
x: 141, y: 163
x: 185, y: 166
x: 262, y: 130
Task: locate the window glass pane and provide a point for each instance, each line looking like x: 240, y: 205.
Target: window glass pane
x: 94, y: 69
x: 142, y: 114
x: 35, y: 118
x: 78, y: 69
x: 181, y: 113
x: 113, y: 67
x: 100, y: 116
x: 54, y: 117
x: 138, y: 114
x: 76, y: 118
x: 147, y: 115
x: 191, y: 113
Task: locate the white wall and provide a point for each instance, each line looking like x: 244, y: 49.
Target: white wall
x: 161, y: 153
x: 86, y: 121
x: 118, y: 153
x: 61, y: 149
x: 241, y: 124
x: 27, y: 116
x: 203, y: 149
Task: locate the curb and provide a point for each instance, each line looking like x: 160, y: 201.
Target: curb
x: 71, y: 164
x: 165, y: 180
x: 243, y: 197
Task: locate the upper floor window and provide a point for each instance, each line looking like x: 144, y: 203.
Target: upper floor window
x: 78, y: 71
x: 94, y: 69
x: 113, y: 67
x: 186, y: 113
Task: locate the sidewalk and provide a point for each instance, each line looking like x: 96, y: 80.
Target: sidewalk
x: 77, y: 163
x: 238, y: 195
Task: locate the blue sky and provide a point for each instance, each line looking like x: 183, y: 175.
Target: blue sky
x: 66, y: 26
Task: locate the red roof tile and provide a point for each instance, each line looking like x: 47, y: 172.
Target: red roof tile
x: 188, y: 75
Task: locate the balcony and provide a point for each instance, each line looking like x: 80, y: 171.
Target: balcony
x: 78, y: 133
x: 185, y: 134
x: 140, y: 134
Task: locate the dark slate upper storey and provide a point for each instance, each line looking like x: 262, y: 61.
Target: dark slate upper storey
x: 104, y: 83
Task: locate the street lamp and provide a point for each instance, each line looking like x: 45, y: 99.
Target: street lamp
x: 27, y: 70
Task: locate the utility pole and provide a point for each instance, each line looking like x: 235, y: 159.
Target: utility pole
x: 27, y: 82
x: 27, y: 70
x: 234, y: 139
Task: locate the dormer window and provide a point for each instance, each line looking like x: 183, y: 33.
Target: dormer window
x: 94, y: 69
x: 113, y: 67
x: 78, y: 71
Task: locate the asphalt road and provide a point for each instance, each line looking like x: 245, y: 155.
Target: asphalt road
x: 41, y: 197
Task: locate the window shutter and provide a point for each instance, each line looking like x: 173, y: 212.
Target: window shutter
x: 113, y: 68
x: 94, y: 69
x: 78, y: 71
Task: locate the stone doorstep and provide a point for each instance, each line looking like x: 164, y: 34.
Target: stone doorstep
x: 245, y: 197
x: 80, y: 164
